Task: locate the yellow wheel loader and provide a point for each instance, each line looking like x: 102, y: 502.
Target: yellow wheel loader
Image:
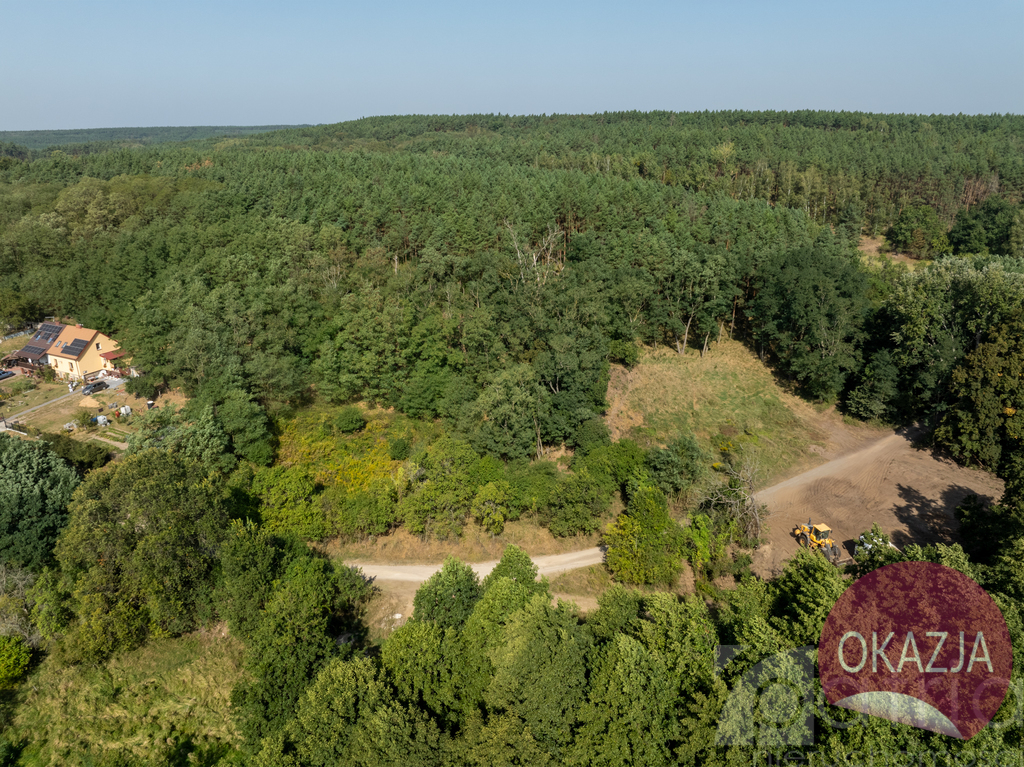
x: 818, y: 537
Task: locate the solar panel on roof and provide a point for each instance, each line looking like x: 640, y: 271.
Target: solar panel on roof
x: 76, y: 347
x: 33, y: 352
x: 48, y: 331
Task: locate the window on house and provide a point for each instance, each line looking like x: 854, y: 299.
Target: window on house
x: 97, y: 347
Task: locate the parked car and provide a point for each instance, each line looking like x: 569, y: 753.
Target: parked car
x: 95, y: 387
x: 7, y: 374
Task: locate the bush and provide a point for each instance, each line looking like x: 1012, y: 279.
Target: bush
x: 577, y: 504
x: 624, y: 352
x: 591, y: 435
x: 83, y: 456
x: 14, y: 659
x: 676, y: 467
x: 349, y: 420
x: 399, y: 449
x: 22, y: 385
x: 643, y: 543
x: 448, y: 597
x: 83, y: 418
x: 143, y: 386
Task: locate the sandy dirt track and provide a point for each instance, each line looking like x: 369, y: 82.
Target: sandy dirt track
x: 552, y: 564
x: 911, y: 493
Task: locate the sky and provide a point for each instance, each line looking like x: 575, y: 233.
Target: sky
x: 88, y: 64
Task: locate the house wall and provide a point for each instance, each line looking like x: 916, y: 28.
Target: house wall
x: 91, y: 361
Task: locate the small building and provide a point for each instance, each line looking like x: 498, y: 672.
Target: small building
x: 77, y: 353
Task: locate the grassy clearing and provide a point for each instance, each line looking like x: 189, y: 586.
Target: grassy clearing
x: 726, y: 396
x: 43, y: 392
x: 53, y: 417
x: 13, y: 344
x: 475, y: 545
x: 586, y: 584
x: 170, y: 697
x: 589, y: 581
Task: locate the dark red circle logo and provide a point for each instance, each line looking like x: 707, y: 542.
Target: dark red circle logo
x: 917, y: 643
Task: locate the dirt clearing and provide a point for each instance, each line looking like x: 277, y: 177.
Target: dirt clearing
x: 911, y: 493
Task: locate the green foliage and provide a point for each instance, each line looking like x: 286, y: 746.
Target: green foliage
x: 349, y: 420
x: 82, y: 456
x: 803, y: 596
x: 516, y: 565
x: 540, y: 672
x: 35, y: 489
x: 809, y: 312
x: 576, y: 504
x: 676, y: 467
x: 251, y: 560
x: 624, y: 352
x: 424, y: 662
x: 143, y: 386
x: 199, y: 436
x: 643, y: 543
x: 358, y: 514
x: 987, y: 415
x: 294, y: 637
x: 289, y: 501
x: 139, y: 553
x: 491, y: 504
x: 448, y: 596
x: 15, y: 656
x: 919, y: 232
x: 441, y: 500
x: 628, y: 717
x: 873, y: 552
x: 398, y: 449
x: 592, y: 434
x: 703, y: 545
x: 985, y: 228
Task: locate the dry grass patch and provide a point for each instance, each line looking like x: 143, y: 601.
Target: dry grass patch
x: 475, y: 545
x: 728, y: 393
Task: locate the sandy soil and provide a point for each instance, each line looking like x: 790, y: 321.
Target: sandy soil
x: 552, y: 564
x: 398, y: 583
x: 911, y: 493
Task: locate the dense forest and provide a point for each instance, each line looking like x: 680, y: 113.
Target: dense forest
x: 393, y: 322
x: 103, y: 139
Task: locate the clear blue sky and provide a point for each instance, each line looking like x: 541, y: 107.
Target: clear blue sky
x: 79, y: 64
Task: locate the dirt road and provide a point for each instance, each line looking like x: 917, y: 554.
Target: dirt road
x: 910, y: 493
x: 552, y: 564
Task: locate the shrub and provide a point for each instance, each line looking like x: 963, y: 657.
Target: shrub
x: 349, y: 420
x: 676, y: 467
x: 142, y: 386
x: 448, y: 596
x: 490, y: 506
x: 399, y: 449
x: 592, y: 434
x: 22, y: 385
x: 624, y: 352
x: 643, y: 543
x: 14, y: 659
x: 576, y: 505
